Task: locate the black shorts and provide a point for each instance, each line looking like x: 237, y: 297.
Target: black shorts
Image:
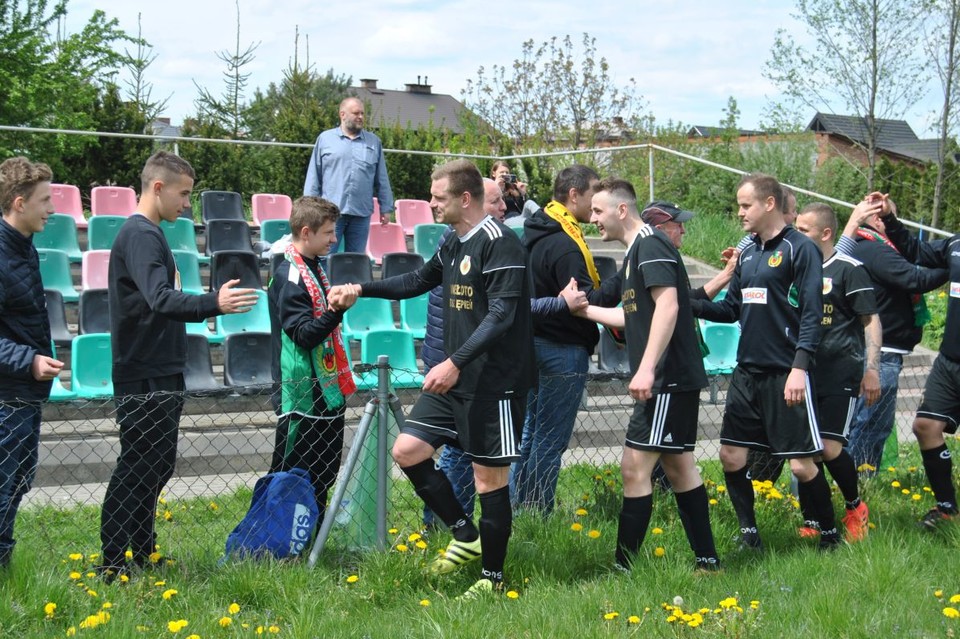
x: 835, y: 416
x: 756, y: 416
x: 666, y: 423
x: 941, y: 394
x: 487, y: 429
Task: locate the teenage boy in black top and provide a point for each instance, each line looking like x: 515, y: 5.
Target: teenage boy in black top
x: 667, y: 377
x: 848, y: 362
x: 476, y: 397
x: 939, y: 411
x: 149, y: 342
x: 776, y: 293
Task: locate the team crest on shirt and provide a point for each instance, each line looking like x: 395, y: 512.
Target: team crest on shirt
x: 775, y: 259
x: 465, y: 265
x: 626, y: 273
x: 827, y: 285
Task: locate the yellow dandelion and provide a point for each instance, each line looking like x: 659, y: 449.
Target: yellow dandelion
x: 161, y: 501
x: 273, y: 629
x: 926, y: 489
x: 49, y: 609
x: 169, y: 594
x: 659, y: 551
x: 414, y: 537
x: 106, y: 604
x: 234, y: 608
x: 154, y: 557
x: 912, y: 469
x: 671, y: 619
x: 774, y: 494
x: 352, y: 579
x: 693, y: 623
x: 575, y: 527
x: 193, y: 636
x: 160, y: 583
x: 656, y: 531
x: 72, y: 630
x: 754, y: 604
x: 259, y: 630
x: 76, y: 556
x: 213, y: 506
x: 633, y: 619
x: 92, y: 593
x: 863, y: 468
x: 891, y: 469
x: 580, y: 512
x: 916, y: 497
x: 167, y: 515
x: 585, y: 497
x: 244, y: 625
x: 713, y: 502
x: 593, y: 534
x: 402, y: 548
x: 895, y: 483
x: 225, y: 621
x: 905, y: 491
x: 424, y: 602
x: 729, y: 602
x: 721, y: 488
x: 392, y: 531
x: 75, y: 575
x: 128, y: 555
x: 124, y: 579
x: 513, y: 594
x: 421, y: 544
x: 610, y: 616
x: 94, y: 556
x: 177, y: 626
x: 938, y: 594
x: 951, y: 613
x: 91, y: 575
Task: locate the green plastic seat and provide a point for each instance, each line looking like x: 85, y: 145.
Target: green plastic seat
x: 273, y: 230
x: 722, y: 340
x: 397, y: 344
x: 368, y: 314
x: 203, y: 328
x: 58, y: 392
x: 426, y: 237
x: 55, y: 273
x: 102, y: 231
x: 60, y: 233
x: 181, y: 236
x: 413, y: 315
x: 256, y: 320
x: 92, y: 366
x: 188, y: 264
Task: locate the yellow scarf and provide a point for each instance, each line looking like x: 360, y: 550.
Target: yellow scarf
x: 571, y: 227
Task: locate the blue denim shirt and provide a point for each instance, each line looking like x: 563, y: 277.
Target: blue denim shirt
x: 349, y: 173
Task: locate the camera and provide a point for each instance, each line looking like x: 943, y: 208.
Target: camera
x: 509, y: 178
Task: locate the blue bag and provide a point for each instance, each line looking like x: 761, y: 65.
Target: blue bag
x: 281, y: 519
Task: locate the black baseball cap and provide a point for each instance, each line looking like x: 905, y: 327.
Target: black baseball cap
x: 658, y: 212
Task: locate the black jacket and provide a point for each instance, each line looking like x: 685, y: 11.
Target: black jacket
x: 24, y: 326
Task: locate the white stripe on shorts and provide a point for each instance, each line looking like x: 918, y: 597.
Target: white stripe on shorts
x: 811, y: 412
x: 851, y: 410
x: 660, y: 412
x: 508, y: 445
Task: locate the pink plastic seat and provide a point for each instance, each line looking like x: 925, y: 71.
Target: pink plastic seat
x: 385, y: 238
x: 413, y: 212
x: 267, y: 206
x: 93, y: 269
x: 112, y: 200
x: 66, y: 200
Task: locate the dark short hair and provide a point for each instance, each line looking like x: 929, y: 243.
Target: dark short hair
x: 311, y: 212
x: 497, y: 165
x: 163, y: 165
x: 464, y: 177
x: 18, y: 178
x: 576, y: 177
x: 826, y: 216
x: 788, y: 195
x: 618, y: 188
x: 764, y: 186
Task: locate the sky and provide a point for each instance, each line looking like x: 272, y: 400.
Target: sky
x: 686, y: 56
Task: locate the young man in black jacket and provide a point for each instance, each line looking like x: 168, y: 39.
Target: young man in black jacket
x: 149, y: 342
x: 27, y: 367
x: 777, y: 294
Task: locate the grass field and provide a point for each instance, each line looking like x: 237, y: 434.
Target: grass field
x: 897, y: 583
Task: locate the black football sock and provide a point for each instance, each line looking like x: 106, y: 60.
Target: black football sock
x: 436, y: 491
x: 844, y: 472
x: 819, y: 495
x: 634, y: 521
x: 496, y: 524
x: 740, y: 489
x: 939, y: 466
x: 806, y: 511
x: 694, y: 510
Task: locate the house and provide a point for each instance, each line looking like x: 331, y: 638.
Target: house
x: 417, y: 105
x: 700, y: 131
x: 846, y: 136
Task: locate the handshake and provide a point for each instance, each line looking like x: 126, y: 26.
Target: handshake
x: 343, y: 296
x: 576, y: 299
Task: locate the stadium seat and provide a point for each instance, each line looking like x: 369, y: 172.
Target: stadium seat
x: 198, y: 376
x: 202, y: 329
x: 398, y: 346
x: 368, y: 314
x: 400, y: 263
x: 518, y: 230
x: 221, y: 205
x: 606, y: 266
x: 57, y: 314
x: 349, y: 268
x: 383, y: 239
x: 188, y: 265
x: 91, y: 364
x: 722, y: 340
x: 256, y: 320
x: 58, y: 393
x: 611, y: 357
x: 60, y: 233
x: 66, y: 201
x: 273, y: 230
x: 55, y: 273
x: 94, y: 314
x: 267, y: 206
x: 102, y: 231
x: 247, y: 361
x: 181, y: 236
x: 93, y: 269
x: 228, y: 235
x: 426, y: 237
x: 112, y: 200
x: 235, y: 265
x: 409, y: 213
x: 413, y: 315
x: 187, y: 214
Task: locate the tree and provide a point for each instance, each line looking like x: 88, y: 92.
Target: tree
x: 139, y: 90
x: 555, y: 93
x: 861, y: 58
x: 941, y: 46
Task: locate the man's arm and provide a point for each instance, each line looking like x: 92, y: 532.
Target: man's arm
x: 720, y: 281
x: 873, y: 340
x: 381, y: 184
x: 662, y: 325
x: 808, y: 278
x: 404, y: 286
x: 295, y: 313
x: 313, y: 184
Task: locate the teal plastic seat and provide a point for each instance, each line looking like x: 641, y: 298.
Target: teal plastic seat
x: 92, y: 366
x: 55, y: 273
x: 368, y: 314
x: 426, y: 237
x: 256, y: 320
x: 60, y: 233
x: 181, y: 236
x: 273, y: 230
x: 188, y: 264
x: 413, y: 315
x: 397, y: 344
x: 722, y: 340
x: 58, y: 392
x: 102, y: 231
x: 203, y: 328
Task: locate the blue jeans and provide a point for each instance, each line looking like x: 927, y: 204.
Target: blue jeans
x: 352, y: 234
x: 19, y: 444
x: 551, y: 415
x: 873, y: 424
x: 458, y: 468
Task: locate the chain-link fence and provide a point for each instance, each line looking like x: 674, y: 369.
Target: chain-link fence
x: 227, y: 440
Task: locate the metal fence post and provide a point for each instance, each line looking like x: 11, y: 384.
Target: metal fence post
x: 650, y: 168
x: 383, y: 423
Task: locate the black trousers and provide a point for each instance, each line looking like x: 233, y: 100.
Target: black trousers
x: 148, y: 412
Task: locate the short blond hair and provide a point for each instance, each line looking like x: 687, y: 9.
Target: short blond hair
x: 18, y: 178
x: 311, y: 212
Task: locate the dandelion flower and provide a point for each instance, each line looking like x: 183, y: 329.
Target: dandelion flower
x: 754, y: 604
x: 678, y: 601
x: 633, y: 619
x: 225, y: 621
x: 72, y: 630
x: 593, y: 534
x: 729, y: 602
x: 160, y: 583
x: 177, y: 626
x: 951, y: 613
x: 513, y: 594
x: 610, y: 616
x: 402, y: 548
x: 168, y: 594
x: 167, y: 515
x: 91, y: 575
x: 862, y: 468
x: 580, y: 512
x: 124, y: 579
x: 916, y: 497
x: 721, y: 488
x: 656, y: 531
x: 75, y: 575
x: 392, y: 531
x: 49, y: 609
x: 352, y: 579
x: 575, y: 527
x: 193, y: 636
x: 273, y: 629
x: 953, y: 599
x: 106, y: 604
x: 92, y: 593
x: 424, y: 602
x: 895, y: 484
x: 414, y: 537
x: 421, y: 544
x: 76, y: 556
x: 938, y: 594
x: 213, y: 506
x: 234, y: 608
x: 713, y: 502
x: 154, y: 557
x: 259, y: 630
x: 659, y: 551
x: 891, y: 469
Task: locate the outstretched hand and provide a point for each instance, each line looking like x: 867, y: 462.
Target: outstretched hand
x: 343, y: 296
x: 232, y: 300
x: 576, y: 299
